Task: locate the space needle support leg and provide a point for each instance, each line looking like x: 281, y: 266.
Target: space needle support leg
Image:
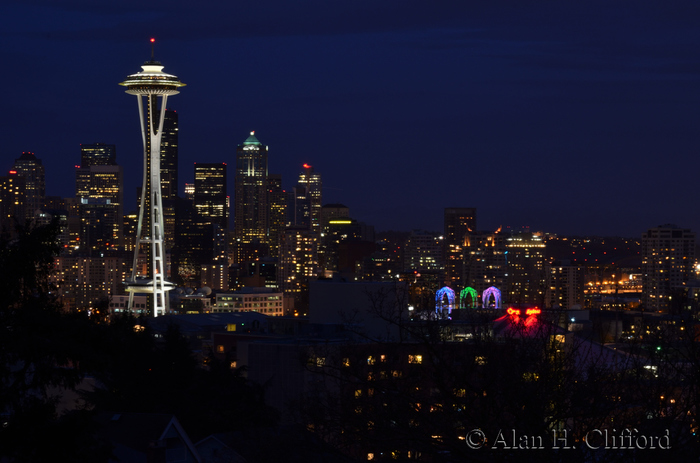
x: 139, y: 227
x: 157, y: 254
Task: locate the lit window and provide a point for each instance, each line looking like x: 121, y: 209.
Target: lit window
x: 415, y: 359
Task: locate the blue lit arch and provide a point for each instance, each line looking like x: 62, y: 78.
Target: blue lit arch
x: 486, y: 297
x: 439, y: 299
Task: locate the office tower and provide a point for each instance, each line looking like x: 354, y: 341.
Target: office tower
x: 12, y: 201
x: 83, y: 282
x: 423, y: 253
x: 152, y: 83
x: 459, y: 221
x: 251, y: 200
x: 99, y: 189
x: 29, y: 167
x: 250, y: 218
x: 668, y: 256
x: 299, y: 207
x: 210, y: 195
x: 342, y: 244
x: 169, y: 156
x: 189, y: 191
x: 526, y: 275
x: 169, y: 174
x: 277, y: 201
x: 297, y: 264
x: 332, y: 211
x: 97, y: 154
x: 565, y: 287
x: 312, y: 181
x: 485, y: 260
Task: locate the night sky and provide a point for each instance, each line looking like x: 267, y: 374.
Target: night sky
x: 568, y: 117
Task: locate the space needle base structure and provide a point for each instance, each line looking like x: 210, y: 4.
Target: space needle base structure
x: 151, y: 83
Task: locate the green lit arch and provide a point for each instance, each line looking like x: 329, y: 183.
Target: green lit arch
x: 466, y: 292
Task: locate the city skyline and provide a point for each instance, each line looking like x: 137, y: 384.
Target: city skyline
x: 569, y: 119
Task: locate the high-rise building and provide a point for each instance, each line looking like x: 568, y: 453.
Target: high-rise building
x: 210, y: 195
x: 251, y: 208
x: 30, y: 167
x: 277, y: 210
x: 99, y: 189
x: 312, y: 182
x: 169, y: 174
x: 152, y: 83
x: 98, y: 154
x: 299, y: 207
x: 189, y: 191
x: 485, y: 260
x: 83, y: 282
x: 423, y: 253
x: 332, y: 211
x: 526, y: 273
x: 12, y: 201
x: 459, y: 221
x: 251, y: 228
x: 668, y: 256
x: 297, y: 264
x: 169, y: 156
x: 565, y: 285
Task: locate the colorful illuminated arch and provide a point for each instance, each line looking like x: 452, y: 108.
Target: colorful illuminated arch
x: 439, y: 297
x: 486, y: 297
x: 466, y: 292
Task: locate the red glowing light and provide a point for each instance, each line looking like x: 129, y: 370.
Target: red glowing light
x: 13, y: 171
x: 512, y: 311
x: 306, y: 166
x: 534, y: 311
x: 153, y: 40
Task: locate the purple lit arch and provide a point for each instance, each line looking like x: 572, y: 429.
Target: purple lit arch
x: 486, y: 297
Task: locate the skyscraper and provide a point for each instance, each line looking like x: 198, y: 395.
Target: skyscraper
x: 251, y: 196
x: 526, y: 272
x: 459, y: 221
x: 169, y: 156
x: 152, y: 83
x: 668, y: 256
x: 98, y: 154
x: 297, y: 264
x: 485, y: 260
x: 210, y: 195
x: 277, y: 210
x: 99, y: 189
x: 30, y: 167
x: 312, y: 181
x: 12, y: 201
x: 169, y: 174
x: 299, y: 207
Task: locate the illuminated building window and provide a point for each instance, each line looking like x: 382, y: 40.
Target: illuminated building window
x: 418, y: 359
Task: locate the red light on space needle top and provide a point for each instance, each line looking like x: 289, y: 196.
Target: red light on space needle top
x: 153, y: 40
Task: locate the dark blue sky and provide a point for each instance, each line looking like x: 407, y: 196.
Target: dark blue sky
x: 569, y: 117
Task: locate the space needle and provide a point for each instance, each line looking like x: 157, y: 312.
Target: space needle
x: 152, y: 83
